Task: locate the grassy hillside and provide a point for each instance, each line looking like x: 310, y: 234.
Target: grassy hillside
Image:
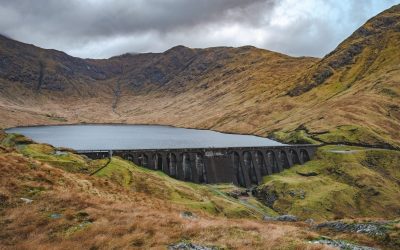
x: 354, y: 90
x: 341, y: 182
x: 209, y: 198
x: 123, y: 205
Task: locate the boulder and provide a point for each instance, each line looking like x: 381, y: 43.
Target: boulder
x: 26, y: 200
x: 286, y: 217
x: 340, y: 244
x: 188, y: 215
x: 370, y: 228
x: 190, y: 246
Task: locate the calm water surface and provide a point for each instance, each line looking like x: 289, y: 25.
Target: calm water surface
x: 98, y: 137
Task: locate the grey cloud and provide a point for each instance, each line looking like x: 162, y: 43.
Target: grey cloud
x: 106, y: 18
x: 103, y: 28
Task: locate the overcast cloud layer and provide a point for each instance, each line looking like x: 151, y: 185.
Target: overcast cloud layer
x: 104, y: 28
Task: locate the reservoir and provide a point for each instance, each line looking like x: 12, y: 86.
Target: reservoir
x: 112, y: 137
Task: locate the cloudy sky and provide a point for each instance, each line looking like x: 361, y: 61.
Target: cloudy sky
x: 104, y: 28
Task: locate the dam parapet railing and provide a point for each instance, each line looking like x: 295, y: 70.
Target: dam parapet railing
x: 242, y: 166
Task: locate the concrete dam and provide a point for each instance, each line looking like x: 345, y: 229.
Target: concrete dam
x: 242, y: 166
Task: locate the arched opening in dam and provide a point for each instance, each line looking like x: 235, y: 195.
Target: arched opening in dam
x: 272, y: 162
x: 172, y: 164
x: 158, y: 163
x: 293, y: 155
x: 143, y: 160
x: 201, y: 168
x: 187, y: 167
x: 283, y: 158
x: 304, y: 155
x: 260, y: 162
x: 128, y: 157
x: 238, y: 169
x: 248, y: 163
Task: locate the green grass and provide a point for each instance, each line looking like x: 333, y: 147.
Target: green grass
x: 347, y: 134
x: 11, y: 140
x: 349, y: 182
x: 294, y: 137
x: 117, y: 170
x: 208, y: 198
x: 354, y: 135
x: 46, y: 153
x: 65, y: 160
x: 358, y: 183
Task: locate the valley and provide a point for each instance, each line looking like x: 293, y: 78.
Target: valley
x: 240, y: 90
x: 347, y: 196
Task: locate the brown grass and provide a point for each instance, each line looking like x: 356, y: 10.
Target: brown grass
x: 98, y: 214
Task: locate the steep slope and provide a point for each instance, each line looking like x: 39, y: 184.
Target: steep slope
x: 371, y: 49
x: 358, y: 84
x: 350, y: 96
x: 341, y: 182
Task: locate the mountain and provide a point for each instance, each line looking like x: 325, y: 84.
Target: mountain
x: 349, y: 96
x: 163, y: 88
x: 358, y: 82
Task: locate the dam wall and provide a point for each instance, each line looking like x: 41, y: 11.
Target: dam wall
x: 242, y: 166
